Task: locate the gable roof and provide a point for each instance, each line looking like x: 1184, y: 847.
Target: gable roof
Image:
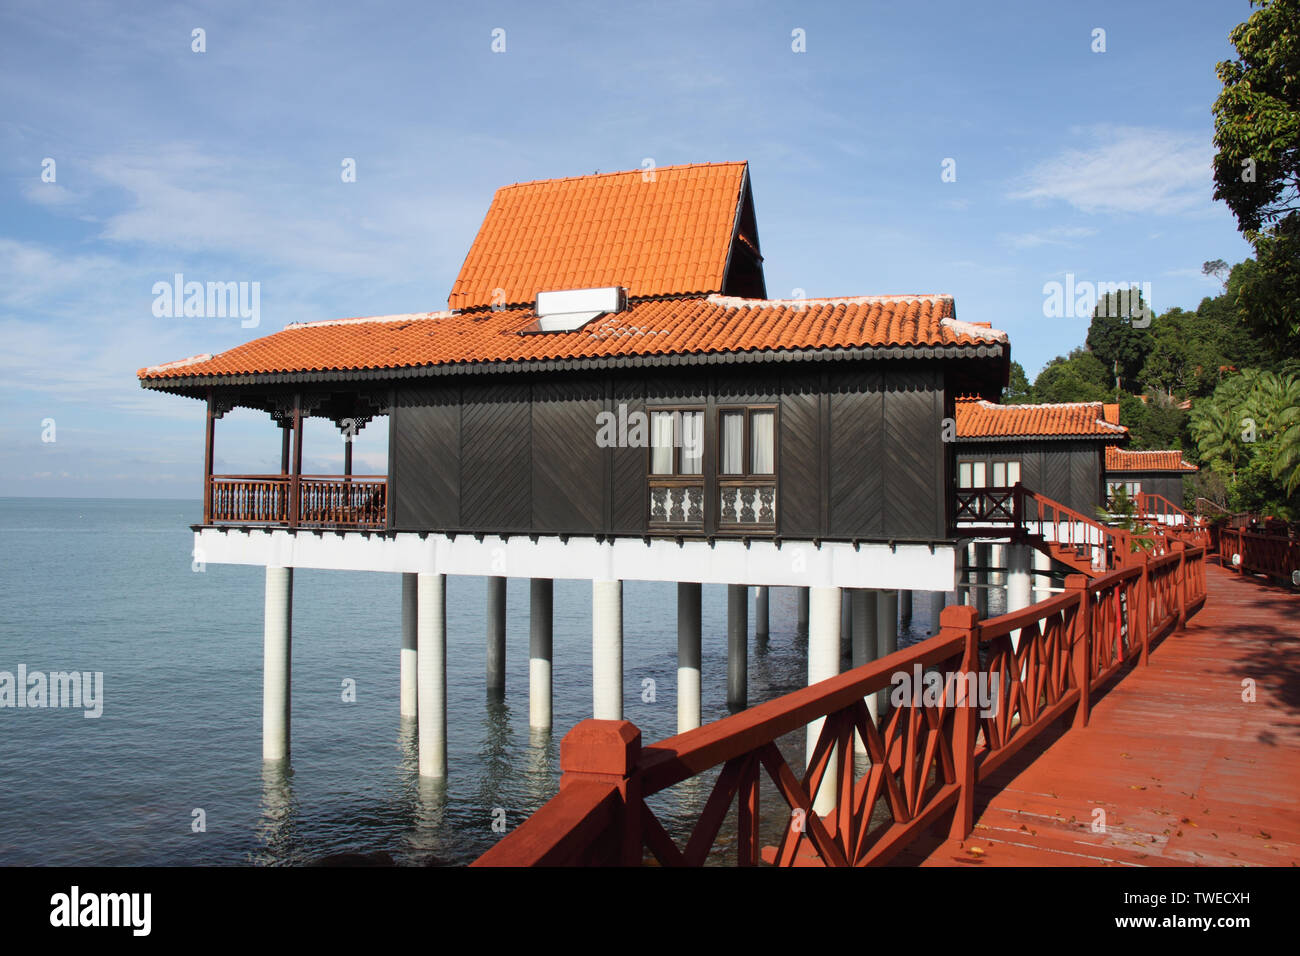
x: 673, y: 331
x: 1121, y: 459
x: 979, y: 419
x: 666, y: 231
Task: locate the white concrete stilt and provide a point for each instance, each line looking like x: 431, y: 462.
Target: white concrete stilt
x: 886, y: 639
x: 864, y: 644
x: 410, y: 609
x: 541, y: 639
x: 938, y: 600
x: 607, y: 650
x: 823, y: 662
x: 431, y: 666
x: 277, y: 655
x: 963, y: 564
x: 983, y: 558
x: 737, y: 646
x: 496, y: 635
x: 1019, y: 586
x: 1042, y: 580
x: 846, y: 621
x: 688, y: 656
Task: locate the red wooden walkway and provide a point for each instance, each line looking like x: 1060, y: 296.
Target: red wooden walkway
x: 1186, y: 772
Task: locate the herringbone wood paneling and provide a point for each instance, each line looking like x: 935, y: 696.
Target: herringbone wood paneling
x: 1085, y: 464
x: 426, y: 458
x: 856, y: 441
x: 799, y: 484
x: 495, y: 477
x: 568, y: 466
x: 914, y: 505
x: 629, y: 466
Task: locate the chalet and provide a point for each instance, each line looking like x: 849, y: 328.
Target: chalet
x: 1148, y: 472
x: 1056, y: 449
x: 785, y: 441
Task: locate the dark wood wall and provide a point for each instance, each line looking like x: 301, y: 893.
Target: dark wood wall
x: 859, y: 452
x: 1065, y: 471
x: 1153, y: 483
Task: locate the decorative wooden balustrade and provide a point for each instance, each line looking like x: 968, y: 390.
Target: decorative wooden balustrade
x: 998, y: 684
x: 1249, y: 552
x: 1075, y: 539
x: 984, y: 507
x: 303, y: 501
x: 677, y: 504
x: 1171, y: 519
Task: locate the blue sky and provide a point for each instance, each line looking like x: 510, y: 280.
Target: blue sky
x: 225, y: 166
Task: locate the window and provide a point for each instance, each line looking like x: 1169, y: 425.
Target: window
x: 747, y: 468
x: 1134, y: 488
x: 677, y: 468
x: 1002, y: 473
x: 676, y: 442
x: 747, y: 442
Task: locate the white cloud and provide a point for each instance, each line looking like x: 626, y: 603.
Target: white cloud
x: 1126, y: 170
x: 1054, y: 237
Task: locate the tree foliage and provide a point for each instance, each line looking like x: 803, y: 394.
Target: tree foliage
x: 1257, y: 167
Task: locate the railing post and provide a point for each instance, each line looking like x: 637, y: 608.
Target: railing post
x: 207, y: 461
x: 1181, y: 587
x: 961, y: 620
x: 1081, y: 646
x: 1144, y: 610
x: 295, y: 481
x: 607, y: 751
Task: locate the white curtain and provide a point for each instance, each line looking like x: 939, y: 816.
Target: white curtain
x: 661, y: 443
x: 761, y: 426
x: 733, y: 443
x: 977, y: 480
x: 1013, y: 473
x: 963, y: 475
x: 999, y: 474
x: 692, y: 442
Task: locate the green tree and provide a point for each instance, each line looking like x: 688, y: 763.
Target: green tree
x: 1078, y: 377
x: 1257, y: 167
x: 1116, y: 341
x: 1018, y: 388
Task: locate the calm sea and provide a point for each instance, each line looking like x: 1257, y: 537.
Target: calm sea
x: 107, y: 586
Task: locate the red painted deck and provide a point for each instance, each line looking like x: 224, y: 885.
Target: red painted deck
x: 1186, y: 772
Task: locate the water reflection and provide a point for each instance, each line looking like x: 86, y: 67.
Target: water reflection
x: 279, y: 811
x: 426, y: 842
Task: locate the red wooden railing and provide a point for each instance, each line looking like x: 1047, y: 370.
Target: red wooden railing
x: 352, y: 501
x: 1171, y: 519
x: 1275, y: 555
x: 926, y: 756
x: 1067, y: 535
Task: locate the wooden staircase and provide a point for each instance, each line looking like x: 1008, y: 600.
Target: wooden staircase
x: 1078, y: 541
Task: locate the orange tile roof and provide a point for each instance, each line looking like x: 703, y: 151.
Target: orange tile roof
x: 977, y: 418
x: 1121, y: 459
x: 694, y: 326
x: 661, y: 232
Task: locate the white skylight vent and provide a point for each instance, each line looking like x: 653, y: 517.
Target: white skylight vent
x: 571, y: 309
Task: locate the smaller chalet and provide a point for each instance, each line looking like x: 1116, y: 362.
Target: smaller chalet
x: 1147, y: 472
x: 1058, y: 450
